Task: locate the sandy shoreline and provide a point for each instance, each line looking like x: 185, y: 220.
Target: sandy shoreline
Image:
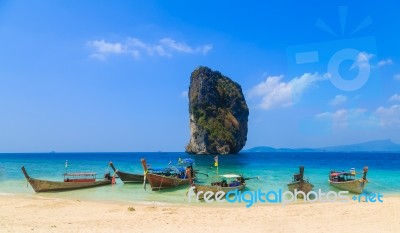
x: 39, y: 214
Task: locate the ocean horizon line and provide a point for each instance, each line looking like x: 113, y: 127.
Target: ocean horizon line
x: 183, y: 152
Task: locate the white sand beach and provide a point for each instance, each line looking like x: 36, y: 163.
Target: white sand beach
x: 38, y: 214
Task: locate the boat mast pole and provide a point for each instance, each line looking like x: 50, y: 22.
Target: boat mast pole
x: 216, y: 163
x: 301, y: 174
x: 144, y: 165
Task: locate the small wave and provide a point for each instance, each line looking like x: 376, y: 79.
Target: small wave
x: 6, y: 194
x: 154, y: 203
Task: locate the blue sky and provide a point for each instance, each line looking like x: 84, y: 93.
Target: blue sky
x: 113, y: 75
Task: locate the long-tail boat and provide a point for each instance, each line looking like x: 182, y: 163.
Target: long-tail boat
x: 71, y: 181
x: 168, y: 177
x: 299, y: 183
x: 347, y: 180
x: 226, y: 183
x: 127, y: 177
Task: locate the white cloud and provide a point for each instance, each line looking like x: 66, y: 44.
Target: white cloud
x: 181, y: 47
x: 323, y: 115
x: 395, y: 97
x: 135, y: 42
x: 349, y: 118
x: 165, y: 47
x: 184, y: 94
x: 385, y: 62
x: 98, y: 56
x: 389, y: 117
x: 105, y: 47
x: 396, y: 77
x: 265, y: 87
x: 339, y: 99
x: 359, y: 118
x: 276, y: 93
x: 204, y: 49
x: 172, y: 45
x: 135, y: 54
x: 102, y: 49
x: 362, y: 61
x: 338, y: 118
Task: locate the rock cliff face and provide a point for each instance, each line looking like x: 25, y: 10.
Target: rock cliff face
x: 218, y: 114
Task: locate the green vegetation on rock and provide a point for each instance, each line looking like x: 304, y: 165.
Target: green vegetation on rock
x: 218, y: 113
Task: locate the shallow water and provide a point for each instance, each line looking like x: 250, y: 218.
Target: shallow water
x: 274, y: 171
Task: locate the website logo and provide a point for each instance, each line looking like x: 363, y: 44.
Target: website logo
x: 330, y: 55
x: 249, y: 198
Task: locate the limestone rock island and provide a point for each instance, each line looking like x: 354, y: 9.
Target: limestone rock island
x: 218, y: 114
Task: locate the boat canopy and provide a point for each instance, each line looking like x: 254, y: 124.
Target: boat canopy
x: 341, y: 174
x: 185, y: 161
x: 167, y: 169
x: 80, y: 174
x: 228, y: 176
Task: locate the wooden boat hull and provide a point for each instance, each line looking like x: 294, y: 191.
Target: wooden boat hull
x: 201, y: 189
x: 158, y: 182
x: 128, y: 177
x: 355, y: 186
x: 304, y: 186
x: 55, y: 186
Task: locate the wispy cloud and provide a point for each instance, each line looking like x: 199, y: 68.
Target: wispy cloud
x: 385, y: 62
x: 339, y: 99
x: 365, y: 60
x: 338, y: 118
x: 136, y: 48
x: 184, y: 94
x: 396, y: 77
x: 395, y: 97
x: 382, y: 117
x: 276, y: 93
x: 184, y: 48
x: 349, y: 118
x: 103, y: 49
x: 362, y: 60
x: 389, y: 117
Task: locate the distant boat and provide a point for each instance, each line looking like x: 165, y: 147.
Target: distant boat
x: 299, y: 183
x: 168, y: 177
x: 347, y: 180
x: 227, y: 182
x: 127, y: 177
x: 71, y: 181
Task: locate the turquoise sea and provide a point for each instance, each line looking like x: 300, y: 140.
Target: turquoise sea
x: 274, y: 170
